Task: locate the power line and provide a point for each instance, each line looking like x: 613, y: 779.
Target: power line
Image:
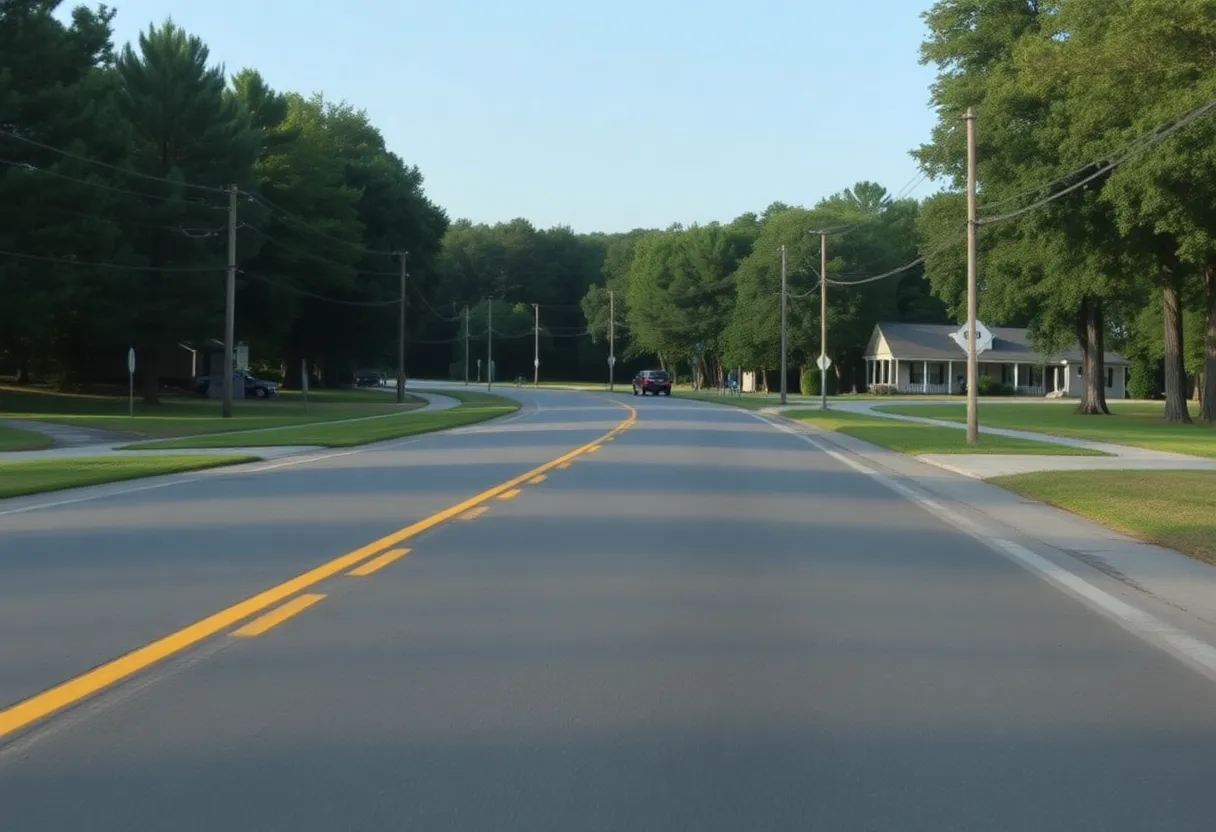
x: 101, y: 185
x: 284, y: 214
x: 313, y: 255
x: 434, y: 311
x: 107, y: 165
x: 305, y: 293
x: 110, y: 266
x: 1140, y: 145
x: 947, y: 243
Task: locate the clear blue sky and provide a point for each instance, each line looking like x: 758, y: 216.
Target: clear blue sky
x: 600, y: 114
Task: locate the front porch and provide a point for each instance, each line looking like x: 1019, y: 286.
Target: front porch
x: 950, y: 377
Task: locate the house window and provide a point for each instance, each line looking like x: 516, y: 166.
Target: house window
x: 1080, y: 371
x: 1110, y: 377
x: 915, y: 374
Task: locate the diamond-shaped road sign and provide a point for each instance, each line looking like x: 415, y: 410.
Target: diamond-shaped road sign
x: 824, y: 362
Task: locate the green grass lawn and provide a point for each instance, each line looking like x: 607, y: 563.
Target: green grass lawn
x: 37, y: 476
x: 916, y: 439
x: 475, y: 407
x: 18, y: 439
x: 191, y: 415
x: 747, y: 401
x: 1139, y: 424
x: 1175, y: 509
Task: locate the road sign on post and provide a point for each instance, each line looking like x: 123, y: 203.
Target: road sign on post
x: 535, y: 362
x: 131, y: 382
x: 823, y: 362
x: 611, y: 360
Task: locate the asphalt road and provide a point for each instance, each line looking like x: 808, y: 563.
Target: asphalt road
x: 704, y: 624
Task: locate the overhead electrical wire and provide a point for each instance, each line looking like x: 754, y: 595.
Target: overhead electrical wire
x: 1143, y: 143
x: 292, y: 219
x: 125, y: 171
x: 111, y: 266
x: 315, y: 296
x: 32, y: 168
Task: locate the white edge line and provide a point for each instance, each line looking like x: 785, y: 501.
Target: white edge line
x: 91, y: 497
x: 1193, y: 651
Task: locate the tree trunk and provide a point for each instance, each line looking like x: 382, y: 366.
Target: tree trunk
x: 1207, y: 407
x: 1175, y: 370
x: 291, y: 372
x: 763, y: 380
x: 23, y: 372
x: 1090, y: 333
x: 151, y: 385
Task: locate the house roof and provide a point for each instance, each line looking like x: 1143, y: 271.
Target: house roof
x: 932, y: 342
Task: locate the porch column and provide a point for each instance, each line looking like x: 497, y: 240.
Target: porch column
x: 950, y: 378
x: 1015, y: 377
x: 895, y: 374
x: 925, y: 378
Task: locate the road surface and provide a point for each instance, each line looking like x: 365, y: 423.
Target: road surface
x: 700, y: 623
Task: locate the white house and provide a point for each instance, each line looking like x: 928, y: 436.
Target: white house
x: 932, y: 358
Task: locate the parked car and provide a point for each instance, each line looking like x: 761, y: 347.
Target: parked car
x: 370, y: 378
x: 255, y: 388
x: 655, y: 382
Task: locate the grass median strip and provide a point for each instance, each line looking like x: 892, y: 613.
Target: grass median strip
x: 179, y: 416
x: 39, y: 475
x: 916, y: 438
x: 345, y: 434
x: 20, y: 439
x: 1139, y: 424
x: 1175, y: 509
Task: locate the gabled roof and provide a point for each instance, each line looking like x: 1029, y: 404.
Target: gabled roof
x: 932, y: 342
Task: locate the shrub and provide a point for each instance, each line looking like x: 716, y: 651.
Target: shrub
x: 808, y: 381
x: 883, y: 389
x: 1142, y: 381
x: 988, y: 386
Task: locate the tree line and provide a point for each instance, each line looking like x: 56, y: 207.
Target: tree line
x: 115, y: 173
x: 1095, y: 194
x: 1097, y: 180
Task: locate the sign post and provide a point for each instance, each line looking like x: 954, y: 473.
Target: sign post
x: 824, y: 363
x: 304, y: 381
x: 131, y: 382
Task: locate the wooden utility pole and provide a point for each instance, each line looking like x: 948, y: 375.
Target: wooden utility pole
x: 401, y: 333
x: 973, y: 421
x: 230, y: 308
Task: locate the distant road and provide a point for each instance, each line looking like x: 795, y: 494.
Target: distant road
x: 570, y: 619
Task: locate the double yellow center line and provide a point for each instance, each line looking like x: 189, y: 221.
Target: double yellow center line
x: 65, y: 694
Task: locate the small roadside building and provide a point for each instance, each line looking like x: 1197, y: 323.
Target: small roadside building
x: 932, y: 358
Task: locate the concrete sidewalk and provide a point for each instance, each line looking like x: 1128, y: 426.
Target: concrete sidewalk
x: 984, y: 466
